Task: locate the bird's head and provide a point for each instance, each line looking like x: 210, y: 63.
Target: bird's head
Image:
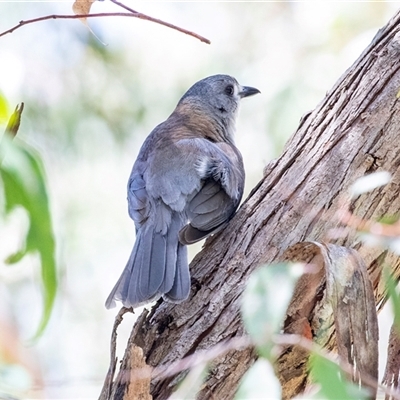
x: 218, y: 96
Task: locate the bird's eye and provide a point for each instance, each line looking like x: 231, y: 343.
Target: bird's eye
x: 229, y: 90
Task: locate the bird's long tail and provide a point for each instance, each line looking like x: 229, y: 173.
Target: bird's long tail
x: 157, y: 266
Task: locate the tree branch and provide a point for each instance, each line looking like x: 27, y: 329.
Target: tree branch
x: 132, y: 13
x: 237, y: 344
x: 106, y: 391
x: 352, y: 132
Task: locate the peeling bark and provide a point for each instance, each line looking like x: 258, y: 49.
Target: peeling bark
x: 354, y: 131
x: 335, y: 300
x: 392, y: 371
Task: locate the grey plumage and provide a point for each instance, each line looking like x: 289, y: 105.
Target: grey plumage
x: 186, y: 184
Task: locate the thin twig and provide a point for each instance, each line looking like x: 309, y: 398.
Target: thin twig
x: 351, y: 221
x: 107, y: 386
x: 125, y: 7
x: 158, y: 21
x: 243, y: 342
x: 307, y: 344
x: 201, y: 357
x: 130, y: 14
x: 188, y: 362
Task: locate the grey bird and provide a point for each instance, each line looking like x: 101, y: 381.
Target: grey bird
x: 185, y: 185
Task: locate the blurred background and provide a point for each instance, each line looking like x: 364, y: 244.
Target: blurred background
x: 88, y: 108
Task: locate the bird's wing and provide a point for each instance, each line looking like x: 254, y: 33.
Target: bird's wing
x: 138, y: 200
x: 220, y: 169
x: 161, y: 182
x: 208, y: 212
x: 194, y: 176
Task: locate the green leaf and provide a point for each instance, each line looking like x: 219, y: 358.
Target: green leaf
x: 14, y: 121
x: 23, y: 179
x: 259, y: 382
x: 389, y: 219
x: 16, y: 257
x: 332, y: 382
x: 3, y: 109
x: 393, y: 294
x: 192, y: 383
x: 265, y: 301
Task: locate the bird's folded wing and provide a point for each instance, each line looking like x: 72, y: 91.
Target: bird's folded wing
x: 138, y: 201
x: 214, y: 204
x: 192, y: 176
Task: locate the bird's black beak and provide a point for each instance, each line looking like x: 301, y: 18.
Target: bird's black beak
x: 248, y: 91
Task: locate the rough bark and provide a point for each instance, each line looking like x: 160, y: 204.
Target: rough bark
x: 392, y: 371
x: 354, y: 131
x: 337, y: 298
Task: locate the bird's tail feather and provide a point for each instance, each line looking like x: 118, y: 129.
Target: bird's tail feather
x: 181, y: 287
x: 157, y: 266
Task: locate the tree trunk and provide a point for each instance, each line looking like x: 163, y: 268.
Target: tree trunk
x: 354, y: 131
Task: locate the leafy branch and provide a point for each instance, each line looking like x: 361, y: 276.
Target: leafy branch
x: 23, y: 179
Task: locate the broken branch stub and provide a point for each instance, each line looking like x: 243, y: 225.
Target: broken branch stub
x: 348, y: 305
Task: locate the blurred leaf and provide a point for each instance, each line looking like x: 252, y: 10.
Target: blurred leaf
x: 389, y: 219
x: 14, y: 377
x: 16, y: 257
x: 11, y: 128
x: 82, y: 7
x: 265, y: 301
x: 259, y: 382
x: 3, y: 109
x: 14, y: 121
x: 23, y: 179
x: 376, y: 240
x: 192, y: 383
x: 370, y: 182
x: 394, y: 245
x: 332, y: 383
x: 391, y: 284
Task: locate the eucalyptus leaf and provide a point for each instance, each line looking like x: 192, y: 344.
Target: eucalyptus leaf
x: 3, y: 109
x: 391, y: 287
x: 370, y: 182
x: 332, y: 383
x: 265, y: 301
x: 191, y: 384
x: 23, y: 179
x: 259, y: 382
